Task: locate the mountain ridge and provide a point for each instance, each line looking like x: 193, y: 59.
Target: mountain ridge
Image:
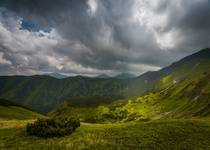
x: 43, y: 92
x: 56, y: 75
x: 125, y: 76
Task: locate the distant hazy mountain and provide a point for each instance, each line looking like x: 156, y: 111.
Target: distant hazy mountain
x: 57, y: 75
x: 125, y: 76
x: 103, y: 76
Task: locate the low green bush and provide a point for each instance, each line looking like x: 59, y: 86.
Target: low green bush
x: 53, y: 127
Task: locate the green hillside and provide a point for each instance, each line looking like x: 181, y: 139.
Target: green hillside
x: 44, y: 92
x: 10, y: 110
x: 181, y: 90
x: 187, y: 69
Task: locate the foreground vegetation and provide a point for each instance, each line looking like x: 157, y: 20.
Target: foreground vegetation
x: 155, y: 135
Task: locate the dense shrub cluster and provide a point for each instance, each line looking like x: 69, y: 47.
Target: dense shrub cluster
x: 120, y: 113
x: 53, y: 127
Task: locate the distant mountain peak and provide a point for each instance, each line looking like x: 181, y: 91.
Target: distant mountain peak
x: 103, y: 76
x: 56, y: 75
x: 125, y: 76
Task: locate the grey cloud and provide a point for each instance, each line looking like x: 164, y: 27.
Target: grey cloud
x: 190, y: 19
x: 110, y: 38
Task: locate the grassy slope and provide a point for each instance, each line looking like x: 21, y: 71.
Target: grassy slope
x: 10, y: 110
x: 14, y: 112
x: 156, y: 135
x: 189, y: 98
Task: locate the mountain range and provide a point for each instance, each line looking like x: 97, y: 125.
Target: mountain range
x: 125, y: 76
x: 119, y: 76
x: 178, y: 80
x: 56, y: 75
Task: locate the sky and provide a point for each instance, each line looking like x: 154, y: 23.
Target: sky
x: 92, y: 37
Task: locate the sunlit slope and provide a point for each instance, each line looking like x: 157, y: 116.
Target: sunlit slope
x: 179, y: 96
x: 187, y: 98
x: 182, y: 90
x: 187, y: 69
x: 10, y: 110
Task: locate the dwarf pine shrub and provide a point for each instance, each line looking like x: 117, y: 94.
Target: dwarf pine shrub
x: 53, y: 127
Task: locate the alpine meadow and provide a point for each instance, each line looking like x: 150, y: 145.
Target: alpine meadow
x: 104, y: 75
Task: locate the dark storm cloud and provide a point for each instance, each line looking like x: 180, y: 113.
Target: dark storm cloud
x: 92, y: 36
x: 190, y: 19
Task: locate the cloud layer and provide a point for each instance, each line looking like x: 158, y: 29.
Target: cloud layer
x: 91, y: 37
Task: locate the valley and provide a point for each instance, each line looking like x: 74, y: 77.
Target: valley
x: 164, y: 110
